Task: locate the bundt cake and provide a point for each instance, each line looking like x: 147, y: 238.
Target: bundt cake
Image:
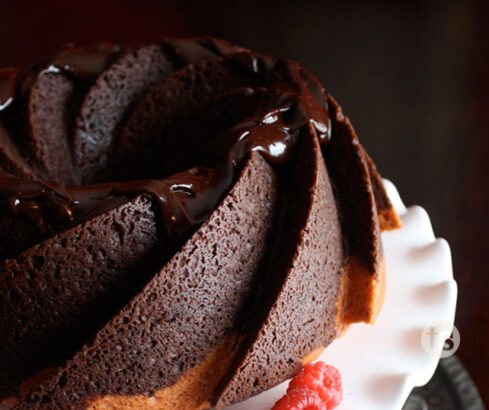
x: 182, y: 225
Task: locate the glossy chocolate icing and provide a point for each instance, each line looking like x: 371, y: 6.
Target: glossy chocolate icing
x: 85, y: 63
x: 8, y: 77
x: 291, y: 99
x: 82, y: 64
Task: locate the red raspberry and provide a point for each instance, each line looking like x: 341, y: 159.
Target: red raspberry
x: 321, y: 378
x: 300, y: 399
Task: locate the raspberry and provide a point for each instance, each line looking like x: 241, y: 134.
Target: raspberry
x: 300, y: 399
x: 321, y: 378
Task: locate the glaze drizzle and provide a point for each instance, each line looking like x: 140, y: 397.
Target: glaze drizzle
x: 291, y: 100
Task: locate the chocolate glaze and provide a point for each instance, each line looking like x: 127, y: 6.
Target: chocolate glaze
x: 293, y: 98
x: 84, y: 63
x: 8, y: 77
x: 190, y: 52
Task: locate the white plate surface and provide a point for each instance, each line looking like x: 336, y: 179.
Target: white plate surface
x: 380, y: 364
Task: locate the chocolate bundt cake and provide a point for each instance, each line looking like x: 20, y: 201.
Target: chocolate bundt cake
x: 182, y: 225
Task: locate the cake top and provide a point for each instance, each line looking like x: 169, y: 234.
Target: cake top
x: 281, y: 98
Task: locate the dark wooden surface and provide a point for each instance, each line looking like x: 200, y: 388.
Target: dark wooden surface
x: 413, y: 77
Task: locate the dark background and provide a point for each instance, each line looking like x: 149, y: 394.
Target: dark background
x: 412, y: 76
